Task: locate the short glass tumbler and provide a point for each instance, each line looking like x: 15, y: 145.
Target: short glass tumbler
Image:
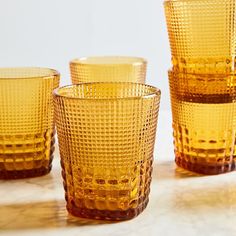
x: 26, y: 121
x: 204, y: 121
x: 108, y: 69
x: 202, y: 35
x: 106, y: 137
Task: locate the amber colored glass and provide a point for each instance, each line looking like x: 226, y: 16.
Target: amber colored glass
x: 106, y: 137
x: 202, y: 35
x: 204, y: 124
x: 26, y: 121
x: 108, y: 69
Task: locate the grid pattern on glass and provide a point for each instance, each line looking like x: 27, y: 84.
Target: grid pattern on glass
x: 106, y: 137
x: 108, y: 69
x: 204, y: 121
x: 202, y: 35
x: 26, y: 121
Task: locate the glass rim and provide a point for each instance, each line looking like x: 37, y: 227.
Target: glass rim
x: 117, y: 60
x: 156, y: 92
x: 50, y: 73
x: 181, y: 1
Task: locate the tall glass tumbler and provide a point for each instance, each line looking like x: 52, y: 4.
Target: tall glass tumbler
x: 202, y: 35
x: 106, y: 137
x: 108, y: 69
x: 204, y: 121
x: 26, y: 121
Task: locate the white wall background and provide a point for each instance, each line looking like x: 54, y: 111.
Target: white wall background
x: 49, y: 33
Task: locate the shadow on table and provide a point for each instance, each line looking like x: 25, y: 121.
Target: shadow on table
x: 203, y: 195
x: 50, y: 214
x: 217, y: 198
x: 168, y: 170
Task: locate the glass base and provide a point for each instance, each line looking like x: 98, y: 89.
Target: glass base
x: 20, y: 174
x: 33, y: 159
x: 106, y: 214
x: 203, y: 167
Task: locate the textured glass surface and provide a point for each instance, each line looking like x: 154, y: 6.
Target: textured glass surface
x: 106, y: 137
x: 204, y: 121
x: 108, y: 69
x: 202, y: 35
x: 26, y: 121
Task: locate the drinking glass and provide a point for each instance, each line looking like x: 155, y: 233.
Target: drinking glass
x: 26, y: 121
x: 204, y: 124
x: 108, y: 69
x: 106, y: 137
x: 202, y: 35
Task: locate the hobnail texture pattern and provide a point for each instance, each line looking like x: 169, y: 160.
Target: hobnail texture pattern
x: 106, y: 137
x: 26, y: 121
x: 202, y: 35
x: 108, y: 69
x: 204, y: 121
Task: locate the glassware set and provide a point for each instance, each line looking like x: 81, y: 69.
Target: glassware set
x: 106, y: 124
x: 202, y: 83
x: 106, y: 120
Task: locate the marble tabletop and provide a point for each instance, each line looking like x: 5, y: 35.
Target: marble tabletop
x: 181, y: 202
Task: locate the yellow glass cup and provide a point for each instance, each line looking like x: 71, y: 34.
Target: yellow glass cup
x: 106, y: 135
x: 202, y: 35
x: 108, y: 69
x: 204, y: 124
x: 26, y: 121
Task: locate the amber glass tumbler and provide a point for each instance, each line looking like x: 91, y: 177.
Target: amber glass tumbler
x: 106, y: 137
x: 108, y: 69
x: 204, y: 121
x: 202, y: 35
x: 26, y: 121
